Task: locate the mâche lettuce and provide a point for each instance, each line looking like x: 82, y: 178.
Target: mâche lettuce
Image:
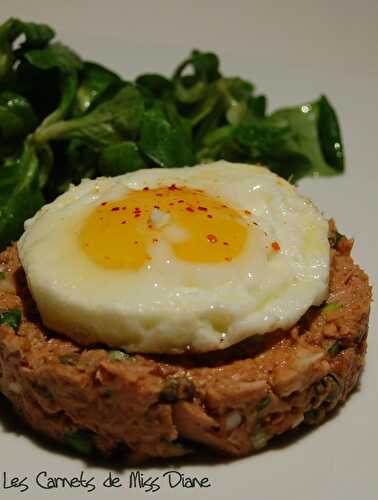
x: 63, y: 119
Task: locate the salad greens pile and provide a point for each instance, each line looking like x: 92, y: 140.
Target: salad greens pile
x: 63, y: 118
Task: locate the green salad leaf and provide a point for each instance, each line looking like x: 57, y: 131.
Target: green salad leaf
x: 162, y: 142
x: 62, y: 59
x: 154, y: 85
x: 94, y: 81
x: 17, y: 117
x: 120, y: 158
x: 35, y: 35
x: 63, y: 119
x: 311, y: 138
x: 105, y: 124
x: 54, y: 56
x: 20, y: 193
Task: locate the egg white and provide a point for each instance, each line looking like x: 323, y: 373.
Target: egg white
x: 170, y: 305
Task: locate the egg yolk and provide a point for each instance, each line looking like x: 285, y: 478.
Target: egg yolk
x: 199, y: 228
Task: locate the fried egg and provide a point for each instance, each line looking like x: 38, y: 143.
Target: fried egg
x: 166, y: 260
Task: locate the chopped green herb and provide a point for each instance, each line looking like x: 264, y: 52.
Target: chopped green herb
x: 330, y: 386
x: 311, y: 414
x: 335, y: 238
x: 118, y: 355
x: 2, y: 275
x: 175, y: 389
x: 334, y: 349
x: 334, y: 385
x: 169, y: 394
x: 263, y: 403
x: 358, y: 339
x: 106, y: 392
x: 66, y: 359
x: 319, y: 388
x: 11, y: 318
x: 332, y: 306
x: 43, y: 391
x: 81, y: 441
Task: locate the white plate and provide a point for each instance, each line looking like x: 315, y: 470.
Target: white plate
x: 337, y: 460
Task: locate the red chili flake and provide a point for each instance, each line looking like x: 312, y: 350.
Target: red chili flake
x: 123, y: 222
x: 173, y: 187
x: 224, y: 206
x: 171, y: 204
x: 115, y: 209
x: 149, y: 226
x: 159, y: 194
x: 209, y: 216
x: 189, y: 209
x: 157, y: 207
x: 180, y: 201
x: 203, y: 209
x: 276, y: 246
x: 137, y: 210
x: 225, y: 243
x: 155, y: 240
x: 104, y: 203
x: 123, y: 208
x: 212, y: 238
x: 247, y: 212
x: 137, y: 214
x: 228, y: 259
x: 146, y: 188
